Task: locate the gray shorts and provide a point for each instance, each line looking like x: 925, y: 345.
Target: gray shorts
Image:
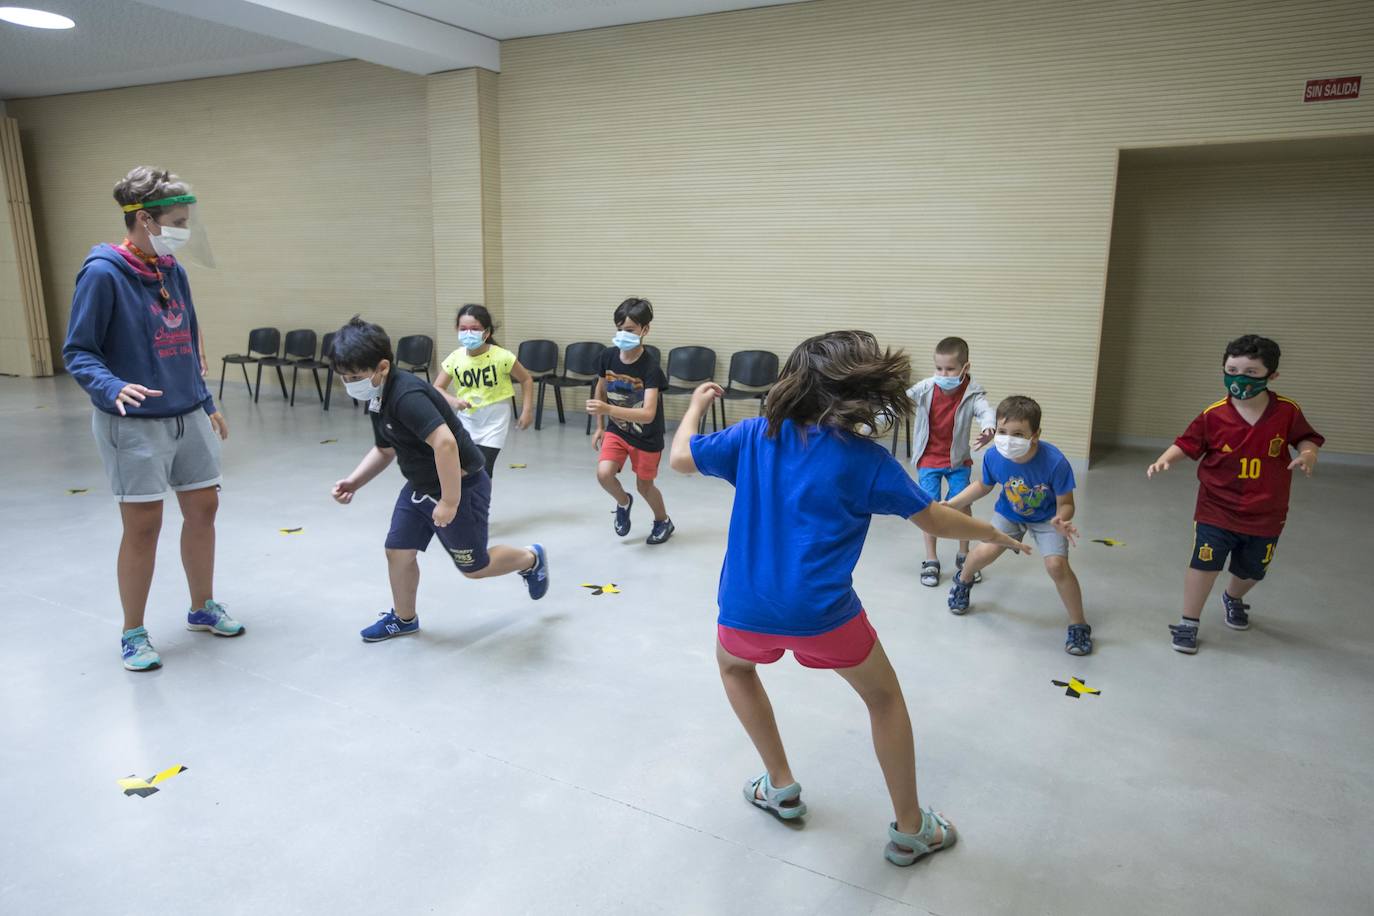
x: 147, y: 456
x: 1049, y: 542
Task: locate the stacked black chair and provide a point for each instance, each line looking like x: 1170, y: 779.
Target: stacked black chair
x: 300, y: 348
x: 414, y: 353
x: 691, y: 366
x: 262, y: 342
x: 581, y: 368
x: 754, y: 371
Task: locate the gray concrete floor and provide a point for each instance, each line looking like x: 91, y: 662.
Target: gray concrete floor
x: 578, y: 755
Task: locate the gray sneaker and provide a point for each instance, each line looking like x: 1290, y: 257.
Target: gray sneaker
x: 1185, y: 638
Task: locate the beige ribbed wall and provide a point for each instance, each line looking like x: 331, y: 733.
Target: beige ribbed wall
x: 315, y: 185
x: 916, y: 168
x: 455, y: 153
x: 24, y: 345
x: 1202, y: 253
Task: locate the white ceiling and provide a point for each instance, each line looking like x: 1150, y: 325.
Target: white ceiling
x: 128, y: 43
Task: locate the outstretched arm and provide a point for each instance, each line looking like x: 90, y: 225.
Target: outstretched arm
x: 680, y: 458
x: 951, y: 524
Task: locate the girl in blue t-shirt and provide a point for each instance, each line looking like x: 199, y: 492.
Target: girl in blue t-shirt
x: 807, y: 482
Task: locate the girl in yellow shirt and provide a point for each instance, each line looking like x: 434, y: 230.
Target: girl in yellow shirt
x: 476, y: 381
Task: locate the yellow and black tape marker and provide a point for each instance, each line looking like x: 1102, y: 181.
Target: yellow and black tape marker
x: 519, y: 466
x: 132, y: 785
x: 1110, y: 542
x: 290, y: 530
x: 1075, y: 688
x: 328, y: 441
x: 77, y: 491
x: 611, y: 589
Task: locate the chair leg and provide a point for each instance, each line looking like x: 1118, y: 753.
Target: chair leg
x: 295, y: 370
x: 908, y: 437
x: 281, y: 379
x: 328, y: 386
x: 590, y: 393
x: 539, y: 406
x: 558, y: 402
x: 258, y: 390
x: 515, y: 414
x: 895, y: 429
x: 247, y: 384
x: 427, y: 378
x: 222, y: 367
x: 316, y: 374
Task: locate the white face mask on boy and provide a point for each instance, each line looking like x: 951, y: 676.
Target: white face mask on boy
x: 1012, y: 447
x: 362, y: 389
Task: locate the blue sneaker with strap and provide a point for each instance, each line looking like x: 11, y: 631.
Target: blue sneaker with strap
x: 138, y: 652
x: 958, y: 594
x: 213, y: 618
x: 389, y: 625
x: 1079, y: 640
x: 537, y: 576
x: 1185, y: 638
x: 1237, y: 612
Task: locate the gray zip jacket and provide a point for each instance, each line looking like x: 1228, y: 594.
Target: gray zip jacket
x: 974, y: 404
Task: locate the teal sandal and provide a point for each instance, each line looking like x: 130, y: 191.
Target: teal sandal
x: 906, y: 848
x: 784, y: 803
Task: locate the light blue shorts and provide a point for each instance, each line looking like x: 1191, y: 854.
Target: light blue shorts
x: 956, y: 479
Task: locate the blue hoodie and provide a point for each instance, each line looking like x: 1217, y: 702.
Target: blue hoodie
x: 122, y: 332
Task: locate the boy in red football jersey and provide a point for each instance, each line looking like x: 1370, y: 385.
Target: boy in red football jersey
x: 1243, y: 442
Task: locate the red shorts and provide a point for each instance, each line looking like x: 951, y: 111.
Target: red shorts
x: 843, y: 647
x: 616, y: 449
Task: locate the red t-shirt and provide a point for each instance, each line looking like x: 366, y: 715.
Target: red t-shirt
x: 943, y: 406
x: 1243, y: 474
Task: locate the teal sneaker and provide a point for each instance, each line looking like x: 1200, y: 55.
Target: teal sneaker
x: 138, y: 652
x: 214, y: 618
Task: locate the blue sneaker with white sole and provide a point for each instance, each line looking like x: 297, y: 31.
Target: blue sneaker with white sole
x: 389, y: 625
x: 213, y: 618
x: 1237, y: 612
x: 537, y: 576
x: 622, y: 516
x: 959, y: 595
x: 138, y: 652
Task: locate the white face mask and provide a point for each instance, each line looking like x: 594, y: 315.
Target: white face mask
x: 172, y: 238
x: 362, y: 389
x: 1012, y: 447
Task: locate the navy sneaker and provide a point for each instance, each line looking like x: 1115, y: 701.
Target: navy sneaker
x: 389, y: 625
x: 1080, y: 639
x: 537, y: 576
x: 958, y: 595
x: 1185, y: 638
x: 662, y: 531
x: 622, y: 517
x: 1237, y: 617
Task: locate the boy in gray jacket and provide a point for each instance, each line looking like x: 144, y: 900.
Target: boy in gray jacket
x: 947, y: 405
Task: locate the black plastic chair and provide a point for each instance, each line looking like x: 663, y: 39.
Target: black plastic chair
x: 897, y: 429
x: 327, y: 358
x: 540, y: 358
x: 300, y: 347
x: 581, y: 368
x: 692, y: 366
x: 755, y: 371
x: 414, y: 354
x: 262, y: 342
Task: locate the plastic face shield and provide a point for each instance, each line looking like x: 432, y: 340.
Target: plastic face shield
x: 198, y: 248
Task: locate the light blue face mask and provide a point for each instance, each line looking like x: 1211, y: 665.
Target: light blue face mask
x: 471, y: 340
x: 625, y: 340
x: 948, y: 382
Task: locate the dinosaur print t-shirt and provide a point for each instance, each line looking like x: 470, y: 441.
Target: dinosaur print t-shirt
x: 1029, y: 490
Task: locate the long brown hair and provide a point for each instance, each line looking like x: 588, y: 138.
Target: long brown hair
x: 842, y: 380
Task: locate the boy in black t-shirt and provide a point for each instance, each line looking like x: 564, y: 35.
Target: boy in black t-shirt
x: 447, y: 490
x: 628, y: 398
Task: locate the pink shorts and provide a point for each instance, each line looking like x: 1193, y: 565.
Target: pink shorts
x: 843, y: 647
x: 616, y: 449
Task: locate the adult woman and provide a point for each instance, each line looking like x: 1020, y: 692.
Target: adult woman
x: 133, y: 344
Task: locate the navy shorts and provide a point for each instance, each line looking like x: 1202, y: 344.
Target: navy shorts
x: 1250, y: 553
x: 465, y: 538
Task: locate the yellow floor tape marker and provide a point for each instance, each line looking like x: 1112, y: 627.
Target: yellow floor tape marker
x: 290, y: 530
x: 1075, y: 687
x: 132, y: 785
x: 76, y: 491
x: 611, y: 589
x: 1110, y: 542
x: 328, y: 441
x: 519, y: 466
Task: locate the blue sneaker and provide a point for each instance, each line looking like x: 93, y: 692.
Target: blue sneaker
x: 1237, y: 617
x: 138, y: 652
x: 390, y: 625
x: 215, y: 619
x: 1185, y: 638
x: 662, y: 531
x: 958, y: 595
x: 1079, y: 640
x: 622, y: 517
x: 537, y: 576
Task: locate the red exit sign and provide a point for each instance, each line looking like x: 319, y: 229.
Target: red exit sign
x: 1331, y: 90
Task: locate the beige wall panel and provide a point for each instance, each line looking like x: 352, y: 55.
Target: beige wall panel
x: 1204, y: 253
x: 919, y: 169
x: 314, y: 183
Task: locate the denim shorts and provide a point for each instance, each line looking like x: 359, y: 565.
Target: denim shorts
x: 465, y: 538
x: 956, y: 480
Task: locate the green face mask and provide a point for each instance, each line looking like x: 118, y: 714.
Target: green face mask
x: 1242, y: 387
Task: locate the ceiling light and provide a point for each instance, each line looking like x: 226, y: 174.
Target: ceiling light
x: 35, y: 19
